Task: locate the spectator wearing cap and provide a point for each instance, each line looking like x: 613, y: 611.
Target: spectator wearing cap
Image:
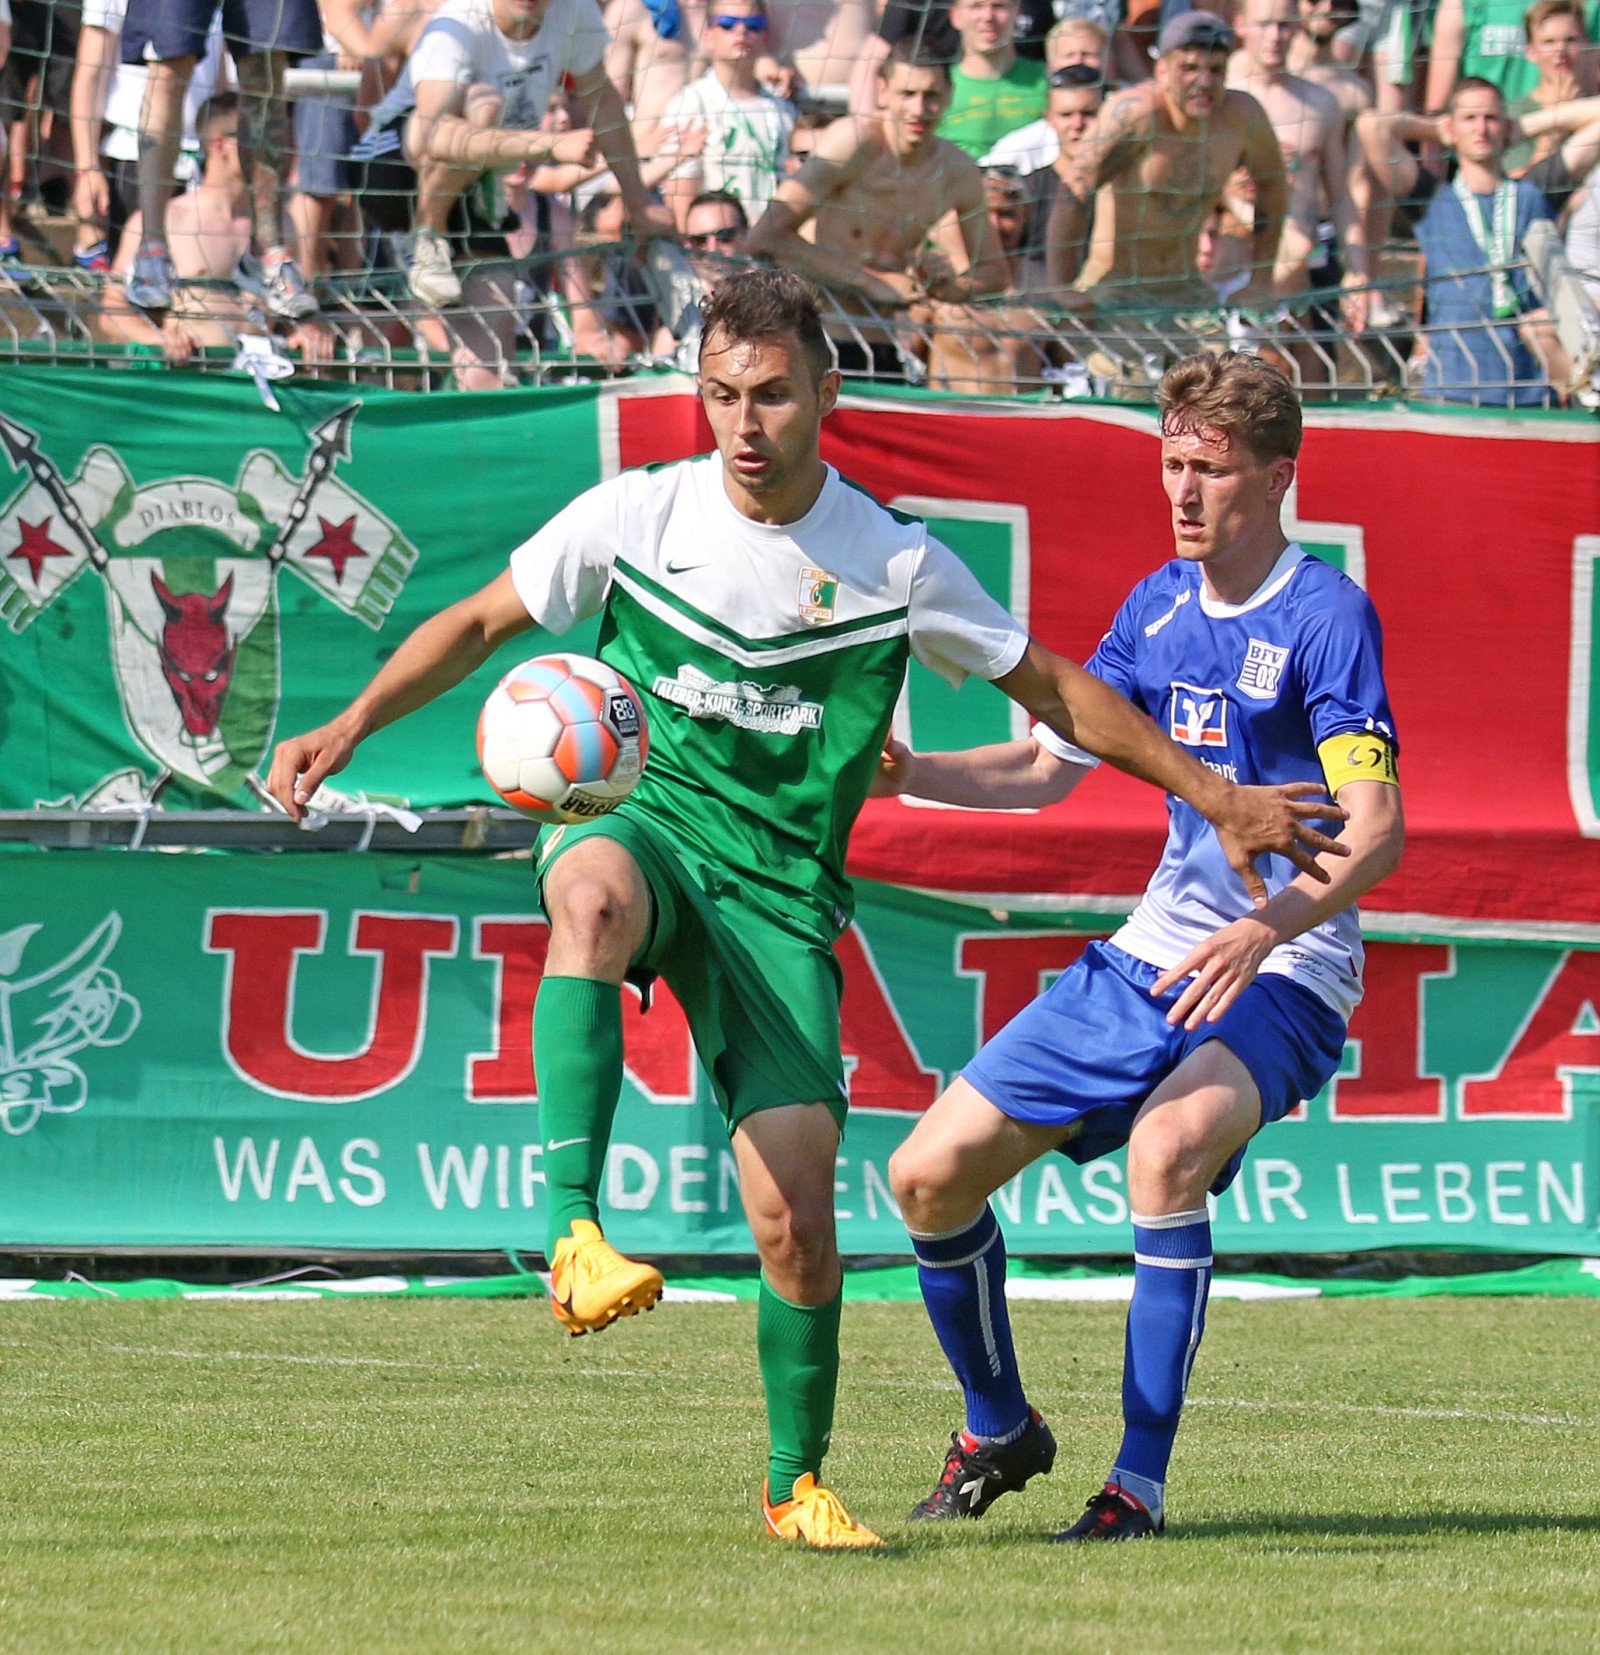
x: 993, y: 90
x: 1167, y: 147
x: 747, y: 130
x: 1038, y: 154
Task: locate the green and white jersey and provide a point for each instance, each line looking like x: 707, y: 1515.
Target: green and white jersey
x: 769, y: 658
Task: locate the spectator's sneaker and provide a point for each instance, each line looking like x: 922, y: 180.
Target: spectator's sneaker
x: 10, y: 251
x: 1113, y: 1515
x: 430, y: 277
x: 977, y: 1473
x: 592, y: 1284
x: 275, y: 280
x: 149, y: 285
x: 815, y: 1515
x: 95, y: 258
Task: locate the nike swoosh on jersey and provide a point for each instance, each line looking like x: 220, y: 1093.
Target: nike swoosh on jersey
x: 680, y: 568
x: 563, y: 1143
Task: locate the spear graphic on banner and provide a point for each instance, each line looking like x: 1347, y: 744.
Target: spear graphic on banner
x: 333, y: 445
x: 22, y: 450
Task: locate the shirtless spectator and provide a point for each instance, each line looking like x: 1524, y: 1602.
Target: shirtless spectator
x: 819, y: 41
x: 746, y: 130
x: 1559, y: 48
x: 901, y: 222
x: 1040, y: 155
x: 965, y: 358
x: 993, y: 90
x: 208, y: 229
x: 262, y: 37
x: 651, y: 58
x: 1310, y: 126
x: 1314, y: 55
x: 482, y: 75
x: 1168, y: 147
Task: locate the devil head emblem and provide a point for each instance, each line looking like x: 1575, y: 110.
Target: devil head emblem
x: 196, y: 652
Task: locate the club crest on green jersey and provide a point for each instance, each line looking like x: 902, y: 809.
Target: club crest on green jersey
x: 819, y: 591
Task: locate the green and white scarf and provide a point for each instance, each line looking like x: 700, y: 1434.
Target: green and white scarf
x: 1496, y: 240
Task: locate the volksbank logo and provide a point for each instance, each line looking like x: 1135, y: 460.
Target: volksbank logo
x: 1199, y: 718
x: 748, y: 706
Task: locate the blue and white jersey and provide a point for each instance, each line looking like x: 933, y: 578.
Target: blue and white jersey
x: 1253, y: 690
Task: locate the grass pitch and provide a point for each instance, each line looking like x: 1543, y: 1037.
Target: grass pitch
x: 417, y: 1476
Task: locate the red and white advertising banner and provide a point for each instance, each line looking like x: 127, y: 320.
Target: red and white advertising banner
x: 1476, y: 537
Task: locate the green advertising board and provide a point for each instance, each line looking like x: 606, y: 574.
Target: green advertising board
x: 303, y: 1050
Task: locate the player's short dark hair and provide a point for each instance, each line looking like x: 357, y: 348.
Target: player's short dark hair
x: 720, y: 198
x: 1472, y: 83
x: 759, y: 304
x: 1245, y: 398
x: 220, y: 106
x: 914, y: 54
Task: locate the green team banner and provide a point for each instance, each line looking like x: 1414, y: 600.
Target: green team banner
x: 303, y: 1050
x: 185, y: 574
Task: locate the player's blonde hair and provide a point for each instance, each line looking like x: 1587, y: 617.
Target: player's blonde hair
x: 1245, y: 398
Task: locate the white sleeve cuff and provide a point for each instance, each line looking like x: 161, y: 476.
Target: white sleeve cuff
x: 1062, y: 748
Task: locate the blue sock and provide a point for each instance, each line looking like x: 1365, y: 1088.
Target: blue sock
x: 963, y: 1277
x: 1171, y: 1277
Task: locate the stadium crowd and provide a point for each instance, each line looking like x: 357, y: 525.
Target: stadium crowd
x: 985, y: 187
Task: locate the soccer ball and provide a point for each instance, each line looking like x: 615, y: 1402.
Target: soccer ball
x: 563, y: 738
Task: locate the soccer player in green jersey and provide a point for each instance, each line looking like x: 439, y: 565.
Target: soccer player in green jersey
x: 766, y: 609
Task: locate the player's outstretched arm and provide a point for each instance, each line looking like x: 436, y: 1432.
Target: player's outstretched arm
x: 1226, y: 963
x: 1249, y: 821
x: 435, y: 658
x: 1010, y: 775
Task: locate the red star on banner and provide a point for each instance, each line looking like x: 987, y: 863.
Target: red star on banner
x: 338, y: 545
x: 37, y: 546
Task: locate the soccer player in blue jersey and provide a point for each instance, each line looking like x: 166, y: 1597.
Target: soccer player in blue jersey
x: 1204, y: 1017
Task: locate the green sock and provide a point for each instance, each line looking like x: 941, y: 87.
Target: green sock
x: 798, y: 1345
x: 577, y: 1054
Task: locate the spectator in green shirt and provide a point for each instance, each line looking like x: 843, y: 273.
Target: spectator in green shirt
x: 993, y: 90
x: 1485, y: 38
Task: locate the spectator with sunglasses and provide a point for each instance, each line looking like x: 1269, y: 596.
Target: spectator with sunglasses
x: 746, y: 129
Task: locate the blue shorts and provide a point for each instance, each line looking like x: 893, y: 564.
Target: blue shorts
x: 1089, y: 1051
x: 324, y: 134
x: 156, y: 31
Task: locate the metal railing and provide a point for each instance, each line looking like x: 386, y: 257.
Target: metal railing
x: 516, y: 329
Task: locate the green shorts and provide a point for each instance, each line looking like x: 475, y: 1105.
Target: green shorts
x: 761, y: 993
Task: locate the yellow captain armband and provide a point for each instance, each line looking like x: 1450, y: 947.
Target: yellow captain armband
x: 1360, y: 757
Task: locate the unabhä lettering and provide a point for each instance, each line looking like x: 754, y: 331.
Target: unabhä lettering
x: 1385, y: 1076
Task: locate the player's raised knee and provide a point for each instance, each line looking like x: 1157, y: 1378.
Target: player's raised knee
x: 919, y: 1176
x: 1170, y: 1160
x: 593, y: 916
